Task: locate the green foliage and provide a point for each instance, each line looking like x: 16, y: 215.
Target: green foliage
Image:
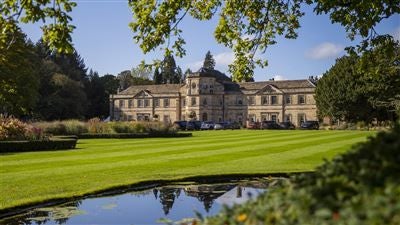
x: 57, y: 34
x: 18, y: 65
x: 37, y: 145
x: 98, y: 90
x: 125, y: 79
x: 157, y: 77
x: 209, y: 61
x: 62, y: 81
x: 358, y: 17
x: 361, y: 186
x: 66, y: 127
x: 362, y: 87
x: 169, y: 73
x: 246, y: 26
x: 123, y: 127
x: 96, y: 126
x: 249, y: 27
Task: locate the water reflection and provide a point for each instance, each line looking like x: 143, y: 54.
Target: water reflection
x: 175, y: 202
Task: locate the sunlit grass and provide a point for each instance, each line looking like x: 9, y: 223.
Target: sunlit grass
x: 32, y: 177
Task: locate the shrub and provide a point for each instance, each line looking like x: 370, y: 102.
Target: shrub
x: 66, y: 127
x: 35, y: 133
x: 54, y: 128
x: 361, y: 186
x: 125, y: 127
x: 96, y: 126
x: 139, y: 127
x: 74, y: 127
x: 13, y: 129
x: 37, y: 145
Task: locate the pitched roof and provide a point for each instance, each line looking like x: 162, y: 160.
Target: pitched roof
x: 152, y: 89
x: 280, y: 84
x: 204, y: 72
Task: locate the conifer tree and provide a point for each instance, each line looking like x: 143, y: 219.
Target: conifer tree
x: 157, y: 78
x: 209, y: 61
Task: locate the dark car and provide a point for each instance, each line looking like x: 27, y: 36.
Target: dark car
x: 253, y: 125
x: 232, y: 125
x: 193, y: 125
x: 310, y: 125
x: 180, y: 125
x: 270, y: 124
x: 287, y: 125
x: 208, y: 125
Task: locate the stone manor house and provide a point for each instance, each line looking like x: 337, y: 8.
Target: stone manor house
x: 209, y: 95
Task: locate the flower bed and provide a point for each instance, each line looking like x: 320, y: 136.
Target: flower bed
x: 17, y: 136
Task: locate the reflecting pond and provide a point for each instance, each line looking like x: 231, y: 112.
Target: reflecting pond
x: 175, y: 202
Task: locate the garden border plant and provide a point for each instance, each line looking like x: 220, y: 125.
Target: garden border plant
x: 17, y: 136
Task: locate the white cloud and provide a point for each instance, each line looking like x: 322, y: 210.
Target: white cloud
x: 396, y: 34
x: 279, y: 77
x: 224, y: 58
x: 194, y: 66
x: 324, y: 51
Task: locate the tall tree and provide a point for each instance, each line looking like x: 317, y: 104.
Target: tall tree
x: 98, y: 90
x: 339, y: 93
x: 125, y: 79
x: 157, y: 77
x: 168, y: 71
x: 188, y: 71
x: 62, y: 85
x: 361, y: 87
x: 209, y: 61
x: 179, y: 77
x: 19, y: 77
x: 141, y: 75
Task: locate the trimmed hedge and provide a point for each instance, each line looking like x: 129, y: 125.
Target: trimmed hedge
x: 133, y: 135
x: 37, y: 145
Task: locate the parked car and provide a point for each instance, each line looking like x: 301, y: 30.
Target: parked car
x: 253, y: 125
x: 270, y: 124
x: 208, y: 125
x: 180, y: 125
x: 310, y: 125
x: 193, y: 125
x: 220, y: 126
x: 232, y: 125
x: 287, y: 125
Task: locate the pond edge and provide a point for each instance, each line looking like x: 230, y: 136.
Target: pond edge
x: 142, y: 185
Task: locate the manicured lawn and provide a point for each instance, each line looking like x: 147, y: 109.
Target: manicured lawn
x: 97, y: 164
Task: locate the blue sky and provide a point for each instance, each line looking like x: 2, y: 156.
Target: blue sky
x: 102, y: 37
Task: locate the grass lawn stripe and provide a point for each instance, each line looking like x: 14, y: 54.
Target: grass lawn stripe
x: 117, y: 162
x: 201, y: 150
x: 113, y: 151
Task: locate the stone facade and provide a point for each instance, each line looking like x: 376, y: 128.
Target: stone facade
x: 209, y: 95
